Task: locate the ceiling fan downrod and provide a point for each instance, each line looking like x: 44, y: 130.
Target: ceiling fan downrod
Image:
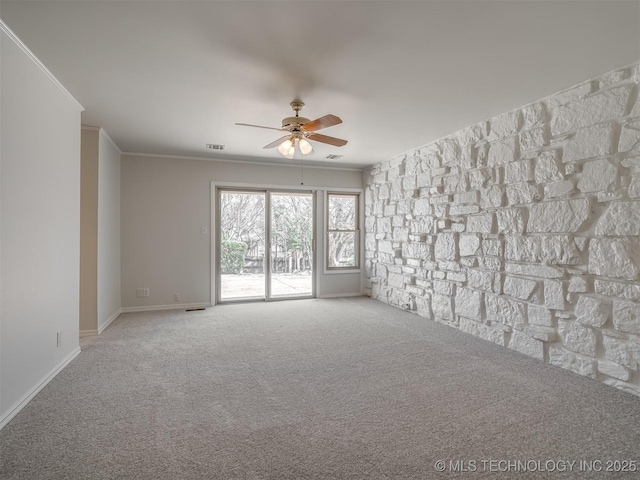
x: 294, y: 123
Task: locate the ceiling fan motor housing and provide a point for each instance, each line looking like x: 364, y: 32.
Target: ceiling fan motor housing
x: 290, y: 123
x: 293, y: 123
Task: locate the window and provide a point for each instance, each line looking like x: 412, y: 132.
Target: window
x: 342, y: 231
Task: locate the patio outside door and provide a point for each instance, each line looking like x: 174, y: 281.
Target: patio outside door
x: 265, y: 245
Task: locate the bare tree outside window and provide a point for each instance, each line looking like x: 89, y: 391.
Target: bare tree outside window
x: 243, y: 219
x: 291, y: 233
x: 342, y: 230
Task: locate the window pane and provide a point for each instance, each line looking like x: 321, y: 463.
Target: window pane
x: 242, y: 245
x: 291, y: 244
x: 342, y: 212
x: 342, y: 249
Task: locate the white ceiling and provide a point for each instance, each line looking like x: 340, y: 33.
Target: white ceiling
x: 168, y: 77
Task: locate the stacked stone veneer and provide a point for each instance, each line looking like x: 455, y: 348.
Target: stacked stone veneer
x: 523, y: 230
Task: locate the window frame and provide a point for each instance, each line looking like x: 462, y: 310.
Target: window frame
x: 347, y: 268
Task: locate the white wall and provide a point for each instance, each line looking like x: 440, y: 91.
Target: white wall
x: 166, y: 201
x: 89, y: 231
x: 100, y: 231
x: 40, y: 225
x: 108, y: 279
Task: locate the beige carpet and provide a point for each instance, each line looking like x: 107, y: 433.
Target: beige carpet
x: 344, y: 389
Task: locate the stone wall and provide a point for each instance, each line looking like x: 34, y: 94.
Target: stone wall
x: 523, y: 230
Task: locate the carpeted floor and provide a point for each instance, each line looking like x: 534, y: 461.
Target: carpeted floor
x: 341, y: 389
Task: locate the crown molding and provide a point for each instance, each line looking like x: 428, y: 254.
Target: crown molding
x: 14, y: 38
x: 310, y: 165
x: 103, y: 132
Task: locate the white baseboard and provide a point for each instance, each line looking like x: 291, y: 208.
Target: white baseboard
x: 88, y: 333
x: 108, y: 322
x: 338, y: 295
x: 153, y: 308
x: 20, y: 404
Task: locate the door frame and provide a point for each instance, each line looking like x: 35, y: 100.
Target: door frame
x: 216, y: 187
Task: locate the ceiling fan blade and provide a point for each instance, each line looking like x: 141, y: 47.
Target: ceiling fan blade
x: 260, y: 126
x: 336, y: 142
x: 322, y: 122
x: 277, y: 142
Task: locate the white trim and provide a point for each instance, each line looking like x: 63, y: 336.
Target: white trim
x: 27, y: 397
x: 154, y: 308
x: 108, y: 321
x: 338, y: 295
x: 315, y: 284
x: 318, y: 253
x: 325, y: 233
x: 363, y: 233
x: 213, y: 231
x: 266, y: 259
x: 90, y: 128
x: 337, y: 271
x: 88, y: 333
x: 267, y: 186
x: 14, y: 38
x: 253, y: 161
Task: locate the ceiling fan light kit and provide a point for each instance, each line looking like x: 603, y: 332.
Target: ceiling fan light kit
x: 288, y: 147
x: 305, y: 147
x: 300, y: 130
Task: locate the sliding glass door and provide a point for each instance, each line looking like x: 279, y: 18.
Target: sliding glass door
x: 241, y: 245
x: 264, y: 244
x: 291, y: 244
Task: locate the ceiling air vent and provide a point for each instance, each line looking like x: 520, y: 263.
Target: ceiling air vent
x: 214, y: 146
x: 334, y: 157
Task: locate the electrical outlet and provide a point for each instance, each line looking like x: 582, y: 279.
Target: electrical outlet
x: 204, y: 230
x: 176, y: 297
x: 58, y: 339
x: 146, y: 292
x: 142, y: 292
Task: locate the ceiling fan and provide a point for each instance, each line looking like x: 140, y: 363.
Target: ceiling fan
x: 300, y: 130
